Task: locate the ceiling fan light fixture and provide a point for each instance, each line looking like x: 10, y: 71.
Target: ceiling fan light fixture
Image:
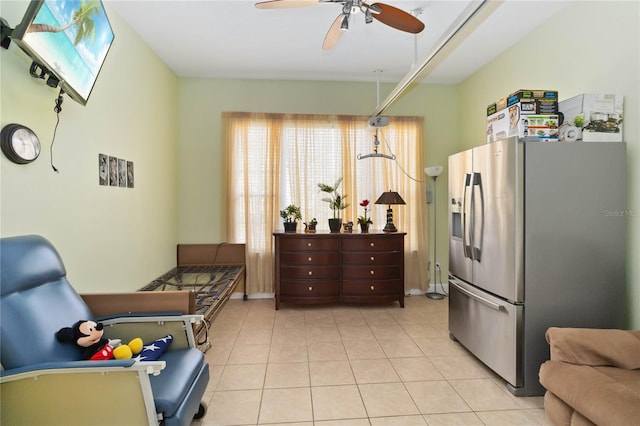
x: 368, y: 17
x: 374, y: 8
x: 344, y: 26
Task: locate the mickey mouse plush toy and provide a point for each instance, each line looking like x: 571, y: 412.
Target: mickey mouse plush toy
x: 88, y: 336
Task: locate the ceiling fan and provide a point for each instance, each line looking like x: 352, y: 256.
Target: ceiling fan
x: 389, y: 15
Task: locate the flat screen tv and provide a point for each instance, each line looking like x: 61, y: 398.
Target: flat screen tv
x: 69, y: 39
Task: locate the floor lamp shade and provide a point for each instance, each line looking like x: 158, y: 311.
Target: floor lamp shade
x: 389, y: 198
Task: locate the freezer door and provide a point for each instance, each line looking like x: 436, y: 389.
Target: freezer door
x: 496, y: 217
x: 488, y: 327
x: 460, y: 172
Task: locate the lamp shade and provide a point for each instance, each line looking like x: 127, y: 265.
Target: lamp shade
x: 390, y: 197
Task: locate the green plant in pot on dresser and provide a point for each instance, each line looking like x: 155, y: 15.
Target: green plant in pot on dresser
x: 336, y: 203
x: 291, y: 215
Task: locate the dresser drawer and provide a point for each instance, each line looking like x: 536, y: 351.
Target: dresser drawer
x: 310, y: 258
x: 370, y: 244
x: 309, y: 244
x: 309, y: 272
x: 372, y: 272
x: 310, y: 288
x: 372, y: 288
x: 372, y: 258
x: 339, y: 267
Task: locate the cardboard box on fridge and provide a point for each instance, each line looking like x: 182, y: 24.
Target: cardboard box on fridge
x: 529, y: 101
x: 504, y: 124
x: 592, y: 117
x: 535, y: 101
x: 509, y: 119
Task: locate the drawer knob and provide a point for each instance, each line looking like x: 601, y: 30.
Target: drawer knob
x: 310, y: 288
x: 372, y: 244
x: 310, y: 272
x: 309, y: 244
x: 309, y: 258
x: 373, y: 288
x: 373, y: 258
x: 372, y: 272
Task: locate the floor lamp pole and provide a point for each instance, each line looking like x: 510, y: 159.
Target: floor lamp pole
x: 434, y: 294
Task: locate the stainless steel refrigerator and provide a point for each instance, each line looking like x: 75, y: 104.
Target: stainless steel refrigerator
x: 536, y: 239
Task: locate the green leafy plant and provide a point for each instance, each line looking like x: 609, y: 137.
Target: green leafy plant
x: 291, y: 213
x: 334, y: 198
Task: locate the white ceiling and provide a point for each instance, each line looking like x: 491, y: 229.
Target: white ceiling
x: 234, y: 39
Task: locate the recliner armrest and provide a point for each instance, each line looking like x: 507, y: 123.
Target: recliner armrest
x: 46, y: 391
x: 159, y: 316
x: 152, y: 327
x: 595, y: 347
x: 76, y: 367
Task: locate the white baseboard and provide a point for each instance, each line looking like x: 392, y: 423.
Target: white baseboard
x: 410, y: 292
x: 438, y: 288
x: 238, y: 295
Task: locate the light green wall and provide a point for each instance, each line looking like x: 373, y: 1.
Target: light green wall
x: 202, y: 193
x: 111, y: 239
x: 591, y: 47
x: 115, y: 239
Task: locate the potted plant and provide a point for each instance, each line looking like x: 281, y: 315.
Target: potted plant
x: 364, y: 220
x: 336, y: 203
x: 291, y: 216
x: 310, y: 226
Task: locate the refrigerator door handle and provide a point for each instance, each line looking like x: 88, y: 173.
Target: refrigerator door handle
x: 466, y: 231
x: 489, y: 303
x: 477, y: 249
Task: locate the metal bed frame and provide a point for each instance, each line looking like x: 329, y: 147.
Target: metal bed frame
x: 211, y: 272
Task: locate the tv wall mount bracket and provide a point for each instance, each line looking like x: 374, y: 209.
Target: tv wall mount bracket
x: 5, y: 33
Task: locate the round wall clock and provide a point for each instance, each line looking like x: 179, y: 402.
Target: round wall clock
x: 19, y: 143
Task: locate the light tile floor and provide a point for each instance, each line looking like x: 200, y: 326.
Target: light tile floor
x: 351, y: 365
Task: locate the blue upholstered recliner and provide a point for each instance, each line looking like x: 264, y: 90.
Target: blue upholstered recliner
x: 44, y: 382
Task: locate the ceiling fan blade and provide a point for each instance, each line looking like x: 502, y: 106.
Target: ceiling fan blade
x: 397, y: 18
x: 334, y: 34
x: 285, y: 4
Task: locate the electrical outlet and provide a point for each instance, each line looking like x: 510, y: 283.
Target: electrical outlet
x: 438, y: 266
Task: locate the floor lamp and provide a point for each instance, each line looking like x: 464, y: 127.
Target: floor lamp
x: 434, y: 172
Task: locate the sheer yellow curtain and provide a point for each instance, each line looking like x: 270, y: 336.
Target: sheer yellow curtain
x: 406, y: 137
x: 279, y: 159
x: 369, y: 178
x: 253, y: 161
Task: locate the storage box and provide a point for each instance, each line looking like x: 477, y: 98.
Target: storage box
x: 535, y: 101
x: 509, y: 122
x: 496, y: 106
x: 592, y: 117
x: 508, y: 116
x: 531, y: 102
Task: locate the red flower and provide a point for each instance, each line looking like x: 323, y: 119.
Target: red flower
x: 364, y: 219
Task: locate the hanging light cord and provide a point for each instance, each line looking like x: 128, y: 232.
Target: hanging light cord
x: 386, y: 142
x: 57, y: 110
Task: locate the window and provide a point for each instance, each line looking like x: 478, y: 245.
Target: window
x: 279, y: 159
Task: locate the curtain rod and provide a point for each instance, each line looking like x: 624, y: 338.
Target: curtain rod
x: 472, y: 16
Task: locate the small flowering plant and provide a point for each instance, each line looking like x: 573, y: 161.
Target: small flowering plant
x: 364, y: 219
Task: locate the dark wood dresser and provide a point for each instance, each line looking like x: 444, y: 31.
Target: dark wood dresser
x: 334, y: 267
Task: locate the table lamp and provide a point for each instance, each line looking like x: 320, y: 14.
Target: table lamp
x: 389, y: 198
